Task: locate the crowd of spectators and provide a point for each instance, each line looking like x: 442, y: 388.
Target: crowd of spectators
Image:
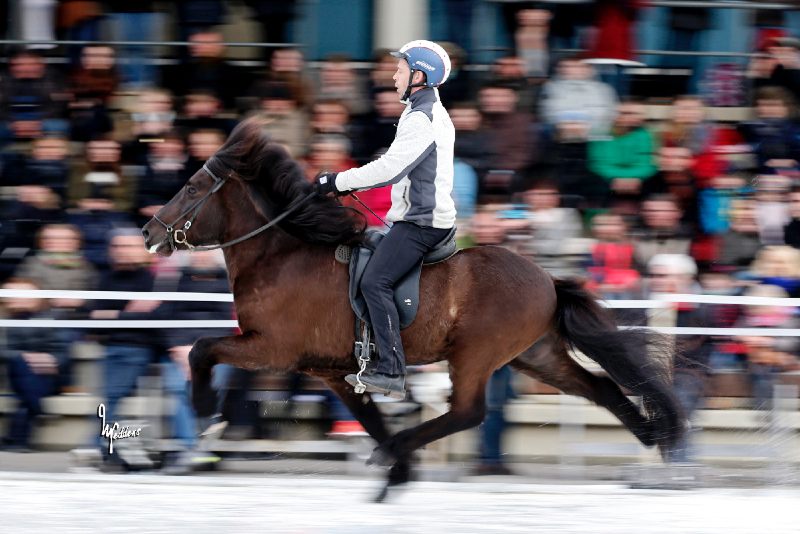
x: 551, y: 161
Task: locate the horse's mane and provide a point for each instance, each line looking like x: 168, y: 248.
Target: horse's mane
x: 268, y: 168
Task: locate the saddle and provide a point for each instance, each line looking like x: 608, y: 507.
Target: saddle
x: 406, y: 291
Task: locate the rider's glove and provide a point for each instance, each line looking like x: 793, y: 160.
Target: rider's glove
x: 325, y: 183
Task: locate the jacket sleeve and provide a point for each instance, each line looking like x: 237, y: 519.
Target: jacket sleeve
x: 413, y: 142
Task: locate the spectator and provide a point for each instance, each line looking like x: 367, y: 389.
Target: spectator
x: 791, y: 232
x: 380, y: 129
x: 202, y: 109
x: 284, y: 120
x: 471, y: 141
x: 498, y: 392
x: 556, y: 230
x: 459, y: 84
x: 338, y: 80
x: 47, y: 167
x: 275, y: 17
x: 487, y: 228
x: 688, y: 128
x: 772, y: 208
x: 511, y: 139
x: 774, y: 135
x: 153, y: 115
x: 675, y: 273
x: 31, y: 207
x: 331, y: 153
x: 531, y: 39
x: 778, y: 66
x: 58, y: 262
x: 778, y: 266
x: 381, y: 76
x: 327, y: 152
x: 288, y: 66
x: 103, y: 167
x: 566, y: 162
x: 662, y: 231
x: 97, y: 216
x: 37, y: 361
x: 676, y: 178
x: 204, y: 272
x: 625, y: 160
x: 768, y: 356
x: 714, y: 203
x: 739, y: 245
x: 93, y: 83
x: 471, y: 160
x: 78, y: 20
x: 726, y: 352
x: 127, y: 352
x: 611, y: 269
x: 574, y: 89
x: 31, y: 98
x: 207, y: 69
x: 136, y: 21
x: 202, y: 145
x: 165, y: 174
x: 510, y: 71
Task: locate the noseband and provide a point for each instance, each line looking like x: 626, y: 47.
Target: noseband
x: 177, y: 236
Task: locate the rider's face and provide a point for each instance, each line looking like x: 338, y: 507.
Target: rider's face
x: 401, y: 77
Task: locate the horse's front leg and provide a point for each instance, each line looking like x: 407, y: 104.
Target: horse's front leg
x: 205, y: 354
x: 467, y: 409
x: 367, y: 413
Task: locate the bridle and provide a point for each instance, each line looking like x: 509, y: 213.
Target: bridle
x: 177, y: 236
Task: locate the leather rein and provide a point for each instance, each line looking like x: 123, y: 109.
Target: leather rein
x: 177, y: 236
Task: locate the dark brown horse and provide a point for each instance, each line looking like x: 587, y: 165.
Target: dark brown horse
x: 482, y: 309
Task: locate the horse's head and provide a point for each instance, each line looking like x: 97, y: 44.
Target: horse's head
x: 193, y: 217
x: 256, y: 173
x: 199, y: 213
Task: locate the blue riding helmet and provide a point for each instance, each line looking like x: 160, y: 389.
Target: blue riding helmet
x: 428, y: 57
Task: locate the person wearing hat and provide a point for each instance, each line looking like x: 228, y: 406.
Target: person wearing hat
x: 419, y: 166
x: 778, y: 65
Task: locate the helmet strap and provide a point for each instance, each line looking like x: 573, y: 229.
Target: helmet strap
x: 411, y: 85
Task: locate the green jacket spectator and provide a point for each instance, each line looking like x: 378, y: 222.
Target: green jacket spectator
x: 629, y: 155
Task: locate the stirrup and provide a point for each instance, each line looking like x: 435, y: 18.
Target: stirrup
x: 363, y: 352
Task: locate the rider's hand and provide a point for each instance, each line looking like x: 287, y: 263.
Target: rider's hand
x: 325, y: 183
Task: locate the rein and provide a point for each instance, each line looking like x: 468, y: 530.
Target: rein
x: 178, y: 236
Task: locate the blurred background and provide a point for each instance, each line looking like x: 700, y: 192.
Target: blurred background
x: 650, y: 147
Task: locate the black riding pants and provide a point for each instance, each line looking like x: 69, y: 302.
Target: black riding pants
x: 401, y: 250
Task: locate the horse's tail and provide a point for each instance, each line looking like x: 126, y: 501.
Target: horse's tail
x: 637, y: 359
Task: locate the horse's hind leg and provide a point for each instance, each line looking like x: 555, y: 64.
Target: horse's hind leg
x: 367, y: 413
x: 549, y: 361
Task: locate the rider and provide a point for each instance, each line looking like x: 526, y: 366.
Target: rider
x: 419, y: 164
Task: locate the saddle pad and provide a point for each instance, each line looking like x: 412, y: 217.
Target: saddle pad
x: 406, y: 292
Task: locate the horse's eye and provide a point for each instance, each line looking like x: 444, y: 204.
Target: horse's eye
x: 191, y: 189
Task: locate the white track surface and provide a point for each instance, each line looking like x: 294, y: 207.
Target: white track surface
x: 80, y: 503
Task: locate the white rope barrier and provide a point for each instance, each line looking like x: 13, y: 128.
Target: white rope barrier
x: 110, y: 323
x: 703, y: 331
x: 663, y: 301
x: 660, y: 301
x: 116, y: 295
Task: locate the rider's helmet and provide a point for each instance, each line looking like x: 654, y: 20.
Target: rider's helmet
x: 428, y: 57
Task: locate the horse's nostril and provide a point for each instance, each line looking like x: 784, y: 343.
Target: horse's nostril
x: 145, y: 233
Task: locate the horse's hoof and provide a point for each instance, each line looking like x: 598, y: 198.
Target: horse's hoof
x: 381, y: 496
x: 381, y: 458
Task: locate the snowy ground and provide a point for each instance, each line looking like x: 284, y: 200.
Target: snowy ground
x: 80, y: 503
